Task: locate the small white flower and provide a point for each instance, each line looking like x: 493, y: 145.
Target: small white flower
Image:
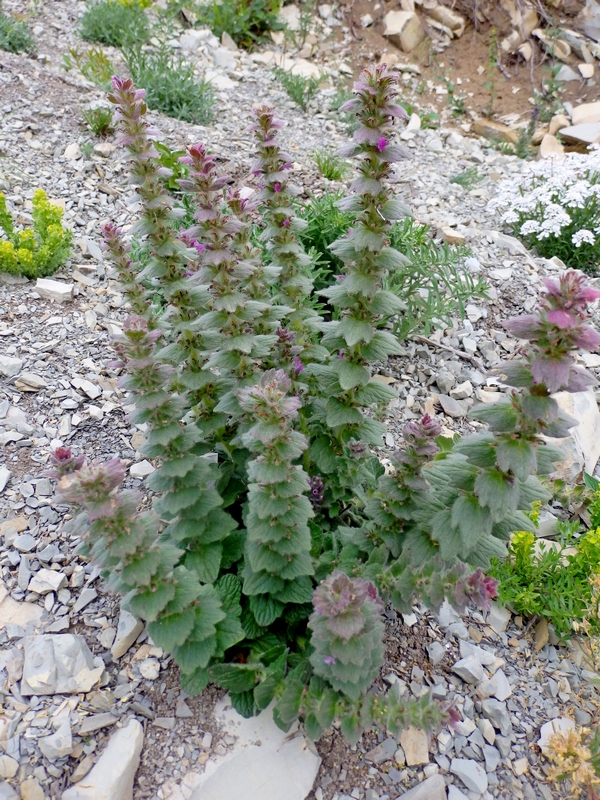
x: 583, y: 236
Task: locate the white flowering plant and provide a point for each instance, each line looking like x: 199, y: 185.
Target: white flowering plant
x: 555, y: 206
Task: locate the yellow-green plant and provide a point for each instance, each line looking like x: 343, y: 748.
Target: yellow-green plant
x: 38, y: 251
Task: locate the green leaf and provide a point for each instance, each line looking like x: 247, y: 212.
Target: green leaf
x: 591, y: 482
x: 172, y: 630
x: 322, y: 454
x: 518, y: 455
x: 547, y: 456
x: 149, y: 603
x: 501, y: 416
x: 235, y: 677
x: 194, y: 682
x: 193, y: 655
x: 498, y: 491
x: 265, y: 609
x: 540, y: 407
x: 471, y: 519
x: 266, y: 689
x: 375, y: 393
x: 488, y: 547
x: 229, y: 590
x: 205, y: 560
x: 351, y: 375
x: 243, y: 703
x: 479, y: 449
x: 340, y: 414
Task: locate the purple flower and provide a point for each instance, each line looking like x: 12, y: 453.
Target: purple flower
x: 382, y: 144
x: 298, y: 365
x: 286, y: 222
x: 277, y: 187
x: 329, y: 660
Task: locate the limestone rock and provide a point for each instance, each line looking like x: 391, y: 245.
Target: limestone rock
x: 58, y: 744
x: 31, y: 790
x: 494, y: 130
x: 72, y: 152
x: 30, y: 382
x: 550, y: 146
x: 290, y: 16
x: 58, y: 664
x: 128, y: 629
x: 112, y: 776
x: 9, y: 367
x: 582, y: 447
x: 5, y: 474
x: 567, y: 75
x: 450, y: 235
x: 404, y: 29
x: 141, y: 469
x: 14, y: 613
x: 586, y: 70
x: 557, y: 122
x: 47, y: 580
x: 54, y: 290
x: 586, y: 132
x: 415, y: 745
x: 7, y: 792
x: 264, y: 764
x: 470, y: 773
x: 450, y: 18
x: 498, y: 617
x: 432, y: 788
x: 586, y: 112
x: 469, y: 669
x: 452, y: 407
x: 8, y: 766
x: 557, y: 48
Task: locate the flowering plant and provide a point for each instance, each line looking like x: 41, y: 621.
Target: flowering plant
x: 555, y: 206
x: 275, y: 537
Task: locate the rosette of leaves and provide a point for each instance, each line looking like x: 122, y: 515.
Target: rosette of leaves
x: 278, y: 560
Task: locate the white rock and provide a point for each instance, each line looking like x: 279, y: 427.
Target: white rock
x: 290, y: 16
x: 30, y: 382
x: 8, y: 766
x: 14, y: 613
x: 470, y: 773
x: 128, y: 629
x: 415, y: 744
x: 587, y: 132
x: 58, y: 664
x: 112, y: 776
x: 304, y: 68
x: 432, y: 788
x: 150, y: 669
x: 550, y: 146
x: 5, y: 474
x: 7, y: 792
x: 454, y: 793
x: 72, y: 152
x: 550, y: 728
x: 47, y: 580
x: 586, y: 70
x: 582, y: 447
x: 469, y: 669
x: 224, y: 58
x: 141, y: 469
x: 54, y: 290
x: 264, y: 764
x: 404, y: 29
x: 10, y: 366
x: 366, y: 20
x: 586, y: 112
x: 498, y: 617
x: 566, y: 74
x: 58, y: 744
x: 104, y: 149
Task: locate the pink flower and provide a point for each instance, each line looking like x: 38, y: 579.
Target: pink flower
x: 382, y: 144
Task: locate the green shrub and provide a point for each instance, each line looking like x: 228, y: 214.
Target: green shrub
x: 93, y: 64
x: 114, y: 23
x: 562, y: 585
x: 99, y: 120
x: 15, y: 36
x: 248, y: 22
x: 38, y: 251
x: 275, y: 535
x: 329, y: 165
x: 467, y: 178
x: 171, y: 85
x: 300, y: 89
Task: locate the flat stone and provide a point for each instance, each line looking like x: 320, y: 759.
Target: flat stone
x: 54, y: 290
x: 17, y: 613
x: 7, y: 792
x: 404, y: 29
x: 498, y: 617
x: 586, y: 70
x: 31, y: 790
x: 87, y: 596
x: 432, y: 788
x: 383, y: 752
x: 586, y: 112
x: 141, y: 469
x: 128, y: 629
x: 453, y: 408
x: 582, y: 448
x: 469, y: 669
x: 542, y: 633
x: 498, y: 715
x: 104, y: 149
x: 492, y: 757
x: 454, y: 793
x: 95, y: 722
x: 263, y: 764
x: 550, y: 146
x: 494, y: 131
x: 436, y: 652
x: 58, y: 664
x: 566, y: 74
x: 58, y: 744
x: 72, y: 152
x: 415, y: 745
x: 587, y: 132
x: 9, y: 367
x: 24, y: 543
x: 112, y: 776
x: 450, y: 235
x: 548, y: 730
x: 5, y: 474
x: 8, y: 766
x: 30, y: 382
x: 470, y: 773
x: 47, y: 580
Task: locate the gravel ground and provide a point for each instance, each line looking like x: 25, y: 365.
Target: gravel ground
x: 57, y: 387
